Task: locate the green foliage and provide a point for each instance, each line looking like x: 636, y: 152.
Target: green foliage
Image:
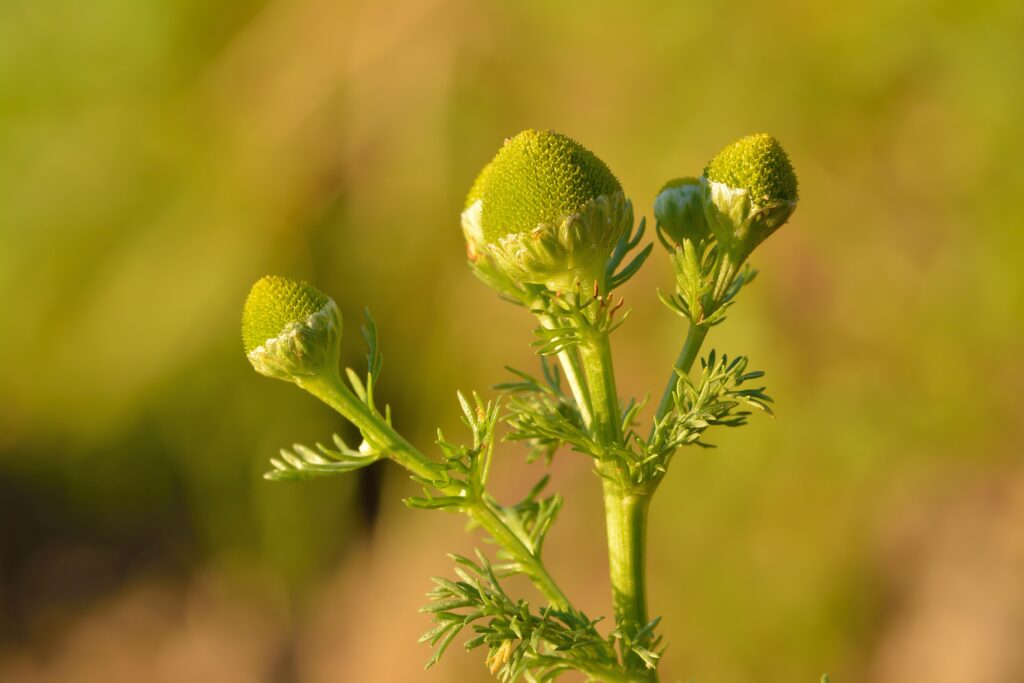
x: 463, y: 467
x: 303, y: 462
x: 541, y: 415
x: 697, y: 268
x: 722, y: 397
x: 573, y: 318
x: 521, y: 643
x: 617, y: 276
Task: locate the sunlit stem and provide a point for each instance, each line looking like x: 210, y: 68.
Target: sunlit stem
x: 596, y: 354
x: 691, y: 347
x: 572, y: 368
x: 331, y: 390
x: 626, y: 513
x: 725, y: 273
x: 625, y: 506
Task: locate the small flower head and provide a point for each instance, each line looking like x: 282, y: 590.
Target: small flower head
x: 679, y: 211
x: 290, y: 329
x: 550, y: 211
x: 750, y: 190
x: 759, y: 165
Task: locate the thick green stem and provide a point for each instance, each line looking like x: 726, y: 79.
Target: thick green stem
x: 626, y: 520
x: 376, y: 430
x: 625, y: 507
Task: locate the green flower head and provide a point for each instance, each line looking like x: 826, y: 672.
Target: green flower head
x: 540, y: 178
x: 749, y: 191
x: 550, y: 211
x: 757, y: 164
x: 476, y: 191
x: 290, y: 329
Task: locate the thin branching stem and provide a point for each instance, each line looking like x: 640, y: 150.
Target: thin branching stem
x: 687, y: 355
x: 574, y: 375
x: 382, y: 435
x: 484, y: 515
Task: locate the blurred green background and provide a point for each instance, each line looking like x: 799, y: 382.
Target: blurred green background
x: 158, y: 157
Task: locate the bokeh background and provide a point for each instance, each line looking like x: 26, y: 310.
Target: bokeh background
x: 158, y: 157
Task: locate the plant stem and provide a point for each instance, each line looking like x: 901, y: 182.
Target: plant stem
x: 726, y: 270
x: 625, y: 507
x: 570, y: 362
x: 626, y: 520
x: 376, y: 430
x: 332, y: 391
x: 484, y: 515
x: 596, y: 353
x: 691, y: 347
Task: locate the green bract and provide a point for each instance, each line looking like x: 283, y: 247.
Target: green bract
x: 550, y: 211
x: 679, y: 211
x: 290, y: 329
x: 750, y: 190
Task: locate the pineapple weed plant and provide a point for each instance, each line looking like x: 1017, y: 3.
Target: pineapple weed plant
x: 548, y: 226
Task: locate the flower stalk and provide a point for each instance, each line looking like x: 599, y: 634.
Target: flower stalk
x: 331, y: 390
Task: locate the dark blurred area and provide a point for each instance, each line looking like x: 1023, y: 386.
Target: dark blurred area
x: 159, y: 157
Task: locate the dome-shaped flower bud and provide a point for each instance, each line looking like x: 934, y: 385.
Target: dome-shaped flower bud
x: 679, y: 211
x: 290, y: 329
x: 550, y: 211
x: 750, y: 190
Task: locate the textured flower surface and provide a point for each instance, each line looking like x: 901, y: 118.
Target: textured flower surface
x: 757, y: 164
x: 538, y: 178
x: 273, y: 303
x: 476, y: 192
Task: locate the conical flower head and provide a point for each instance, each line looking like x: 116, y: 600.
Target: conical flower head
x: 757, y: 164
x: 290, y: 329
x: 476, y: 190
x: 750, y: 190
x: 540, y: 178
x: 550, y: 210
